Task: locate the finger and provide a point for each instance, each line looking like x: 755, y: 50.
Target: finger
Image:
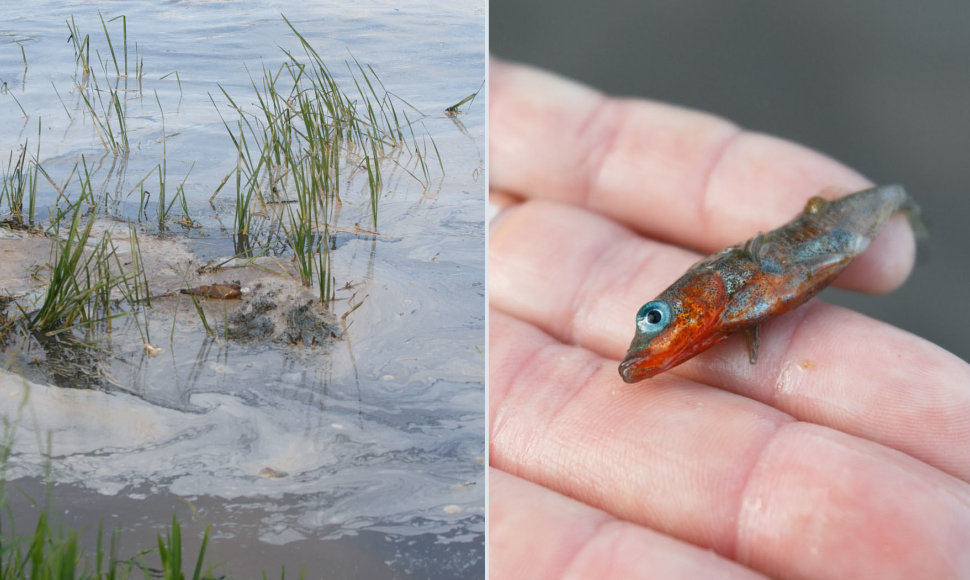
x: 834, y: 367
x: 564, y: 270
x: 671, y: 173
x: 818, y: 363
x: 537, y: 533
x: 785, y: 498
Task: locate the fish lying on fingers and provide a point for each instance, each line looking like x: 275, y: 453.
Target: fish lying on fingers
x: 740, y: 287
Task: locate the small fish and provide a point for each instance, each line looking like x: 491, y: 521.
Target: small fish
x: 740, y: 287
x: 218, y: 291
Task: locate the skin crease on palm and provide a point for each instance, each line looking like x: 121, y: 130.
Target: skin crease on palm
x: 843, y: 453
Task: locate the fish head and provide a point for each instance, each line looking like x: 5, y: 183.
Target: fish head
x: 678, y: 324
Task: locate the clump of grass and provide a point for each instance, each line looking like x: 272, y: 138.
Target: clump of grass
x: 113, y: 135
x: 80, y: 284
x: 55, y: 552
x: 19, y: 188
x: 49, y: 554
x: 170, y: 552
x: 87, y: 280
x: 305, y: 139
x: 104, y: 106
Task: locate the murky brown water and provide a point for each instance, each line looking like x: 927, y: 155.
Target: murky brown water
x: 358, y: 457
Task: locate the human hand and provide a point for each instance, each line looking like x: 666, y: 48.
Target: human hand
x: 844, y: 452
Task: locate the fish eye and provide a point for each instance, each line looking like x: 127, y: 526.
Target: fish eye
x: 653, y: 317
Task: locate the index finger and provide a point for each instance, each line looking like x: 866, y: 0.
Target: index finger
x: 674, y: 174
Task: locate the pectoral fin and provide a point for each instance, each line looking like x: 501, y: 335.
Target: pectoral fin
x: 751, y: 335
x: 764, y: 253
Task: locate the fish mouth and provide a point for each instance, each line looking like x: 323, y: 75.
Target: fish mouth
x: 635, y: 368
x: 643, y: 363
x: 630, y: 373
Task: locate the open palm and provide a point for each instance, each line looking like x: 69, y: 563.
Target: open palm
x: 845, y: 452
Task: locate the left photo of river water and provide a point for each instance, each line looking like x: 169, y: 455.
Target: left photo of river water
x: 242, y: 289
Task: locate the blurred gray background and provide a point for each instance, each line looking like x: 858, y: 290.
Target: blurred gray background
x: 882, y: 85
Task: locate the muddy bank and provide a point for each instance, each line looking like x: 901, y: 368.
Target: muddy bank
x: 258, y: 299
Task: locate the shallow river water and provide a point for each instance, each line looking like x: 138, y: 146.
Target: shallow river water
x: 360, y: 457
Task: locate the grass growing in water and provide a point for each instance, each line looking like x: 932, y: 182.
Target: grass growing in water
x: 82, y: 47
x: 306, y: 140
x: 81, y: 281
x: 113, y: 136
x: 54, y: 551
x: 20, y: 187
x: 170, y: 552
x: 86, y: 275
x: 106, y: 108
x: 306, y: 137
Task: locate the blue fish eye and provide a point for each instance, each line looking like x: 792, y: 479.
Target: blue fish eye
x: 654, y: 317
